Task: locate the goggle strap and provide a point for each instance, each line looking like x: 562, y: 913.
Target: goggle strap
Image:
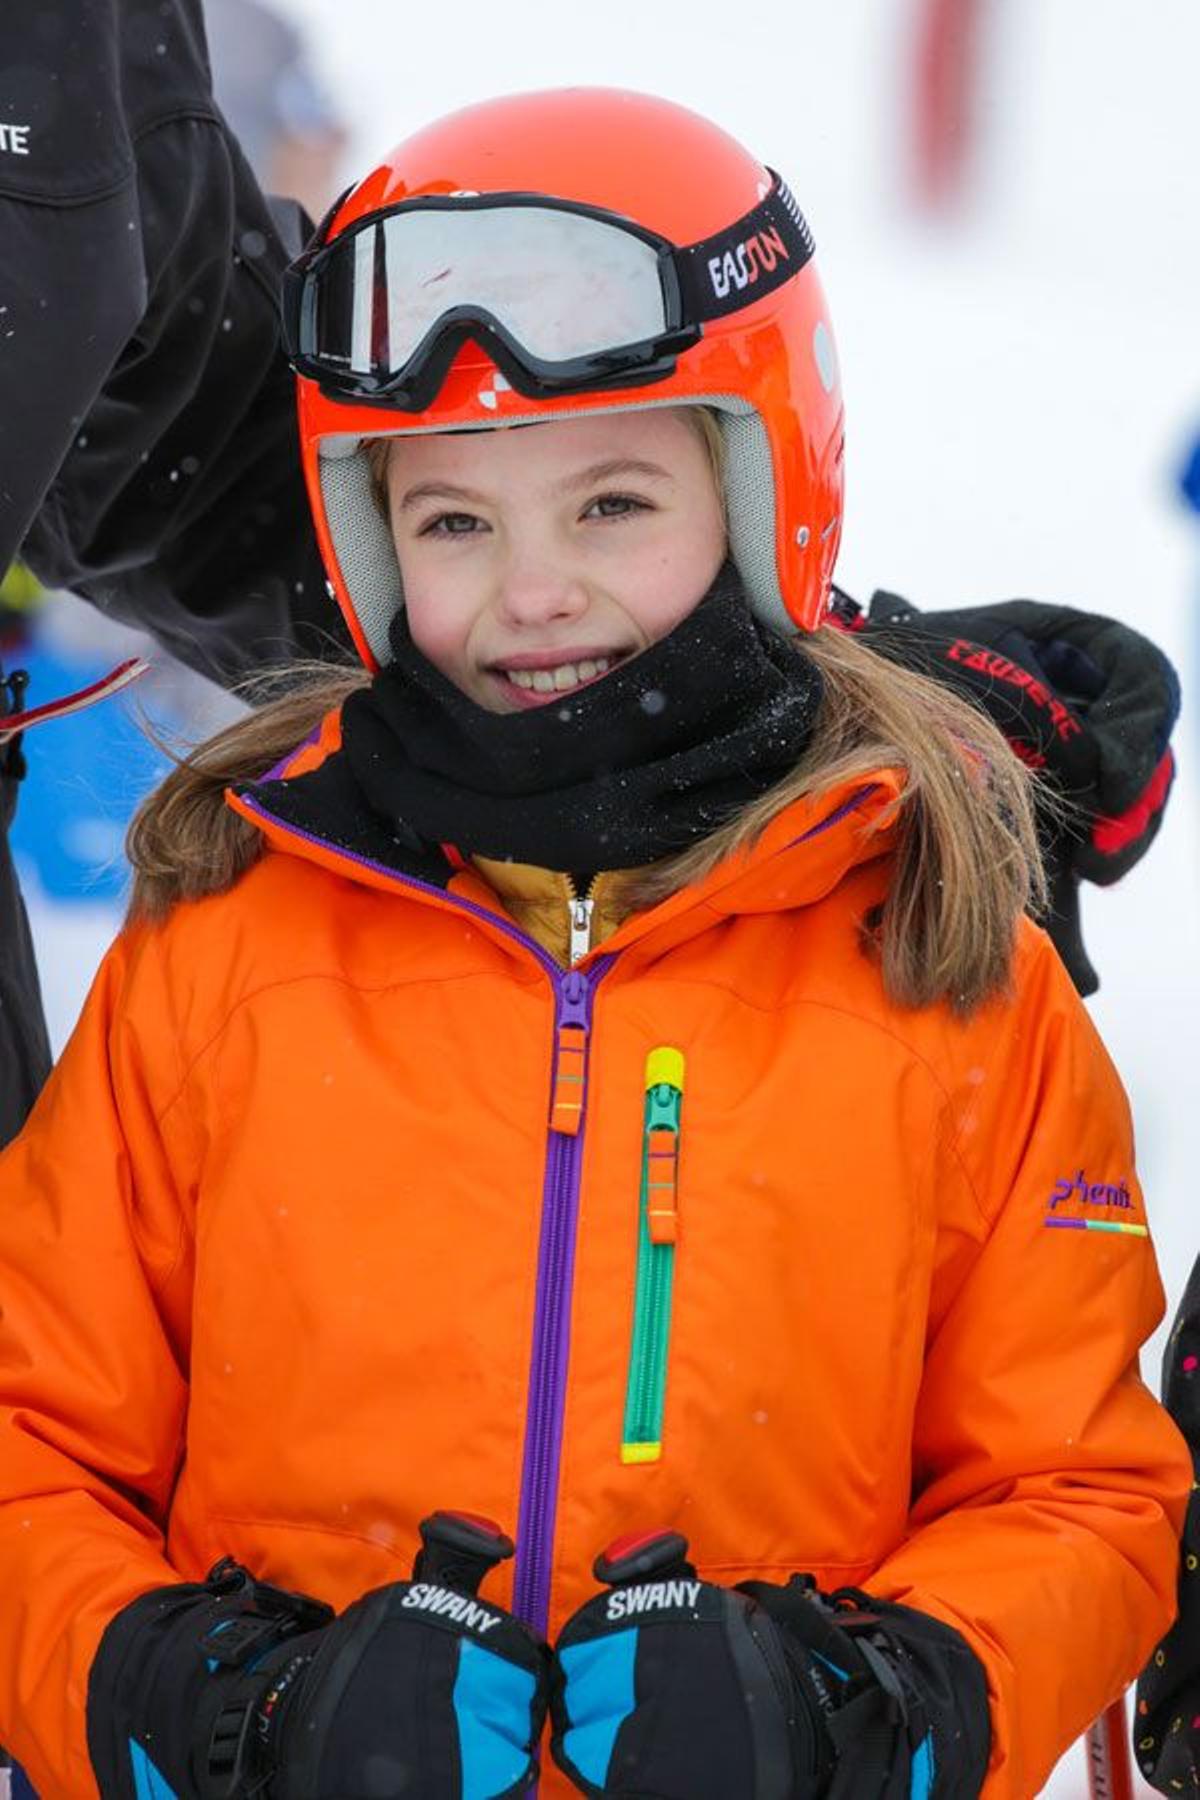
x: 758, y: 253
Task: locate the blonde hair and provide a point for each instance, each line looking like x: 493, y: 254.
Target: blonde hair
x: 966, y: 857
x: 183, y: 841
x: 966, y: 861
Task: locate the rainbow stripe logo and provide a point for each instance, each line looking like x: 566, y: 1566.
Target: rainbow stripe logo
x: 1112, y: 1198
x: 1098, y: 1225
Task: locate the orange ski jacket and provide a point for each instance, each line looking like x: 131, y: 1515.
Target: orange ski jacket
x: 347, y: 1201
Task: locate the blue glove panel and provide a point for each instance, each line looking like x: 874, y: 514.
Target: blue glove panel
x: 598, y: 1697
x: 494, y: 1704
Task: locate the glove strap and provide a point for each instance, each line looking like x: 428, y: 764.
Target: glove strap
x: 873, y: 1718
x: 264, y: 1617
x: 239, y: 1759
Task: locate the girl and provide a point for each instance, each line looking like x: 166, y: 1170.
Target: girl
x: 600, y: 1075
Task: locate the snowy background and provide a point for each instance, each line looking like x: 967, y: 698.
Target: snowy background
x: 1022, y: 374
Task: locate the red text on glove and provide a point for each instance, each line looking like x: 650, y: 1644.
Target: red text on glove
x: 1001, y: 668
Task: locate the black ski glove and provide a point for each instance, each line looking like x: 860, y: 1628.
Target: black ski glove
x: 674, y: 1687
x: 1084, y: 699
x: 230, y: 1688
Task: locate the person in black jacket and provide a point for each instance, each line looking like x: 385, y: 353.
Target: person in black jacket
x: 146, y: 402
x: 1166, y: 1728
x: 147, y: 446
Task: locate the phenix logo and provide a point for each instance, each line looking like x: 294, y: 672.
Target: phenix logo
x: 1094, y: 1193
x: 426, y: 1598
x: 651, y: 1596
x: 1076, y: 1192
x: 742, y: 266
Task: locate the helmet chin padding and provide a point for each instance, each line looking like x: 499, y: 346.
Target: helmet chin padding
x: 366, y: 555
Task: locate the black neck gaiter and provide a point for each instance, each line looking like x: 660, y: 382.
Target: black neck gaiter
x: 642, y: 763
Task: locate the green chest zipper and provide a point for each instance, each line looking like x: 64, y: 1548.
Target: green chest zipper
x: 658, y: 1230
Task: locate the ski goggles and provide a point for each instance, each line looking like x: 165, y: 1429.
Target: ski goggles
x: 563, y: 297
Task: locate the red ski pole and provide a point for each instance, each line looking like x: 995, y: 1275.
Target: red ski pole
x: 1110, y: 1768
x: 946, y: 79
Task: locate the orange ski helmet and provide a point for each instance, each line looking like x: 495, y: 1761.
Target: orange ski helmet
x: 553, y: 254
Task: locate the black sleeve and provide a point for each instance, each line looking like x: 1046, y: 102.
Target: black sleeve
x: 148, y: 453
x: 1166, y: 1730
x: 24, y: 1046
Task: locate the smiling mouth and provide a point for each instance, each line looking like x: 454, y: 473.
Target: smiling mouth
x: 564, y: 677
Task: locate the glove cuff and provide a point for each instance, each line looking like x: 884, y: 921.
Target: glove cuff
x: 919, y: 1722
x: 170, y: 1673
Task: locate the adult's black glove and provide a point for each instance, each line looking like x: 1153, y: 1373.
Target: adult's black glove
x: 231, y: 1688
x: 674, y: 1687
x: 1085, y: 700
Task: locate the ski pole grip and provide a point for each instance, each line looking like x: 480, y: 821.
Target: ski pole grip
x: 641, y: 1555
x: 458, y: 1549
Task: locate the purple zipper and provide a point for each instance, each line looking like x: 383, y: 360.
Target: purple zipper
x: 574, y: 993
x: 552, y: 1329
x: 849, y: 805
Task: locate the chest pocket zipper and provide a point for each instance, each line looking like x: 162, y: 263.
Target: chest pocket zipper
x: 658, y: 1230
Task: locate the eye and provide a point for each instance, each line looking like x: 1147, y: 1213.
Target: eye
x: 456, y: 524
x: 616, y: 506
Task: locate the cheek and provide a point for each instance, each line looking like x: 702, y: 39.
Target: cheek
x: 680, y: 574
x: 440, y: 613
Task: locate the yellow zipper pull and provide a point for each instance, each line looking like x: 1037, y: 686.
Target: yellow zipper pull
x: 664, y: 1097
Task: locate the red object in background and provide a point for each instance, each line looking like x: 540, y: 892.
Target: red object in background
x: 945, y: 87
x: 1110, y: 1768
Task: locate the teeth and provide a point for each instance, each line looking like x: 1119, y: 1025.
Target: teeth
x: 557, y: 681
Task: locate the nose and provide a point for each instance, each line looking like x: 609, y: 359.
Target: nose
x: 536, y: 587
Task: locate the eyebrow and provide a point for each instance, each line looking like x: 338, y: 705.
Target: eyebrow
x: 608, y: 471
x: 602, y: 471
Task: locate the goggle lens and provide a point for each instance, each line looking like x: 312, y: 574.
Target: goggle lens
x: 567, y: 296
x: 561, y: 284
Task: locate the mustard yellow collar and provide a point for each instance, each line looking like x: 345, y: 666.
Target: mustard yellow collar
x: 544, y: 903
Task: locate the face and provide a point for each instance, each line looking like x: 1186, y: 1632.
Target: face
x: 535, y: 559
